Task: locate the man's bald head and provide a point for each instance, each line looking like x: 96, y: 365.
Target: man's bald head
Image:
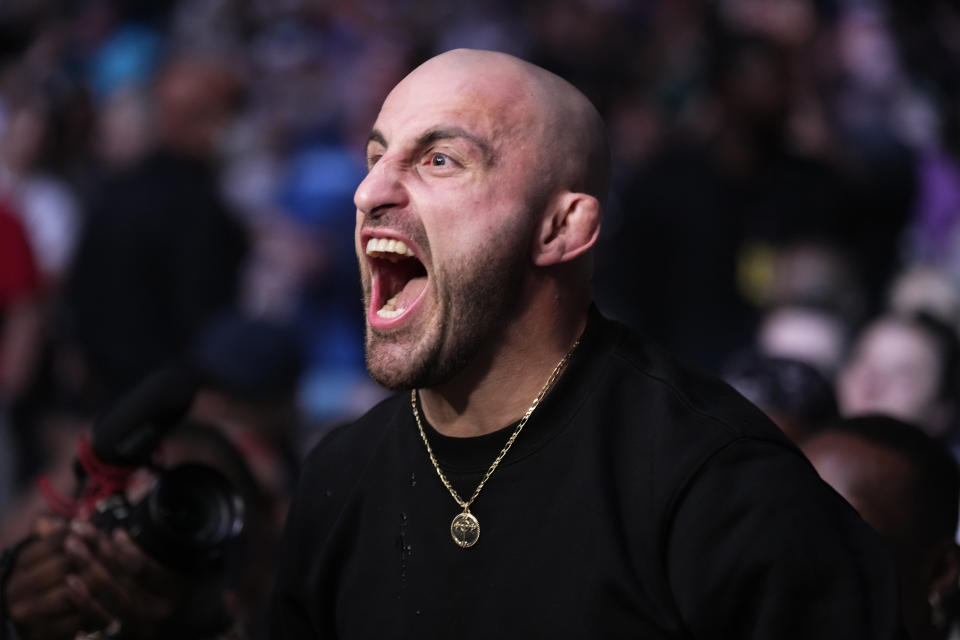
x: 534, y: 107
x: 491, y: 172
x: 905, y: 485
x: 904, y: 482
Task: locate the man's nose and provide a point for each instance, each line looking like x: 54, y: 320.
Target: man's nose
x: 381, y: 190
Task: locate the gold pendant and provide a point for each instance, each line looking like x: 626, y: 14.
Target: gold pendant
x: 465, y: 529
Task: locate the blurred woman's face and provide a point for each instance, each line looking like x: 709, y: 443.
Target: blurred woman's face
x: 894, y: 370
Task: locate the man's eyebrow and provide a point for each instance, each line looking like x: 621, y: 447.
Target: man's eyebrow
x: 445, y: 133
x: 375, y: 136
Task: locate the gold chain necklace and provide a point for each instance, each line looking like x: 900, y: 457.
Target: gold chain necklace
x: 465, y: 528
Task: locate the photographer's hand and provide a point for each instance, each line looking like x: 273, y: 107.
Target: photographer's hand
x: 120, y: 583
x: 39, y: 601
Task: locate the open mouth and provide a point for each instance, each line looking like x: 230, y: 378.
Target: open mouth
x: 399, y: 279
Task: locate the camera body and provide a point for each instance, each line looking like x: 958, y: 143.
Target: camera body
x: 188, y: 521
x: 192, y: 514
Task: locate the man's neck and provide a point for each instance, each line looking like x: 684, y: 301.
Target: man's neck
x: 497, y: 391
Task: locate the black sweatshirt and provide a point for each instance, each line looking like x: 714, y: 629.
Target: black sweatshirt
x: 640, y: 500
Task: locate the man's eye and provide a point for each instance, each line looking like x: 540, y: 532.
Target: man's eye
x: 439, y: 163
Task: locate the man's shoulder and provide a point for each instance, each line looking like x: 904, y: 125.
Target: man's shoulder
x: 662, y: 386
x: 670, y: 421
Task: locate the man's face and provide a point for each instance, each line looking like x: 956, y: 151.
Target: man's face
x: 444, y: 221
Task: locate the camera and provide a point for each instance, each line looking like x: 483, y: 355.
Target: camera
x: 192, y: 514
x: 187, y: 521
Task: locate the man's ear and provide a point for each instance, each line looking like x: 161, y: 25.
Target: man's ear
x: 569, y: 229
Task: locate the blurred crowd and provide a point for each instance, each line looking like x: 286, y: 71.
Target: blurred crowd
x: 176, y: 182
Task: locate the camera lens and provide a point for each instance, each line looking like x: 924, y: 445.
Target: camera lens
x: 191, y: 514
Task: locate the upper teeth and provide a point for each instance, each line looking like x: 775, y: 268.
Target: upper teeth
x: 388, y: 245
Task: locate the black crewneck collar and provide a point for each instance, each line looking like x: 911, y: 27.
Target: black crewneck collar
x: 475, y: 454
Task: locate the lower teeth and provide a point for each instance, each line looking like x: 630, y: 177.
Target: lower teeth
x: 389, y: 308
x: 389, y: 313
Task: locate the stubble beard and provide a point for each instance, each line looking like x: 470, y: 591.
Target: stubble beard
x: 476, y: 297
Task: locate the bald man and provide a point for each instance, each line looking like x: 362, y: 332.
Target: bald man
x: 905, y: 484
x: 542, y: 472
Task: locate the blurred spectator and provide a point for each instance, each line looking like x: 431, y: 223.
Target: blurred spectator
x: 20, y: 340
x: 671, y: 251
x: 48, y: 210
x: 905, y: 367
x: 794, y: 394
x: 806, y: 334
x: 924, y: 289
x: 46, y: 205
x: 767, y: 223
x: 935, y: 233
x: 805, y: 272
x: 249, y: 372
x: 905, y: 485
x: 34, y: 108
x: 160, y: 253
x: 71, y: 579
x: 20, y: 320
x: 931, y: 55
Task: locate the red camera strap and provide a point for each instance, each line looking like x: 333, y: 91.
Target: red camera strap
x: 103, y: 480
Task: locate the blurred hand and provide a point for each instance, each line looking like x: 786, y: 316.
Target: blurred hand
x: 39, y: 600
x: 116, y: 582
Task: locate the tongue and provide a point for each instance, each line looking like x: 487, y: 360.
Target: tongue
x: 410, y: 292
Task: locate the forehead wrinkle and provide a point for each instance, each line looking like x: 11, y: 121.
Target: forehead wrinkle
x: 467, y: 107
x: 520, y: 109
x: 490, y: 95
x: 541, y: 111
